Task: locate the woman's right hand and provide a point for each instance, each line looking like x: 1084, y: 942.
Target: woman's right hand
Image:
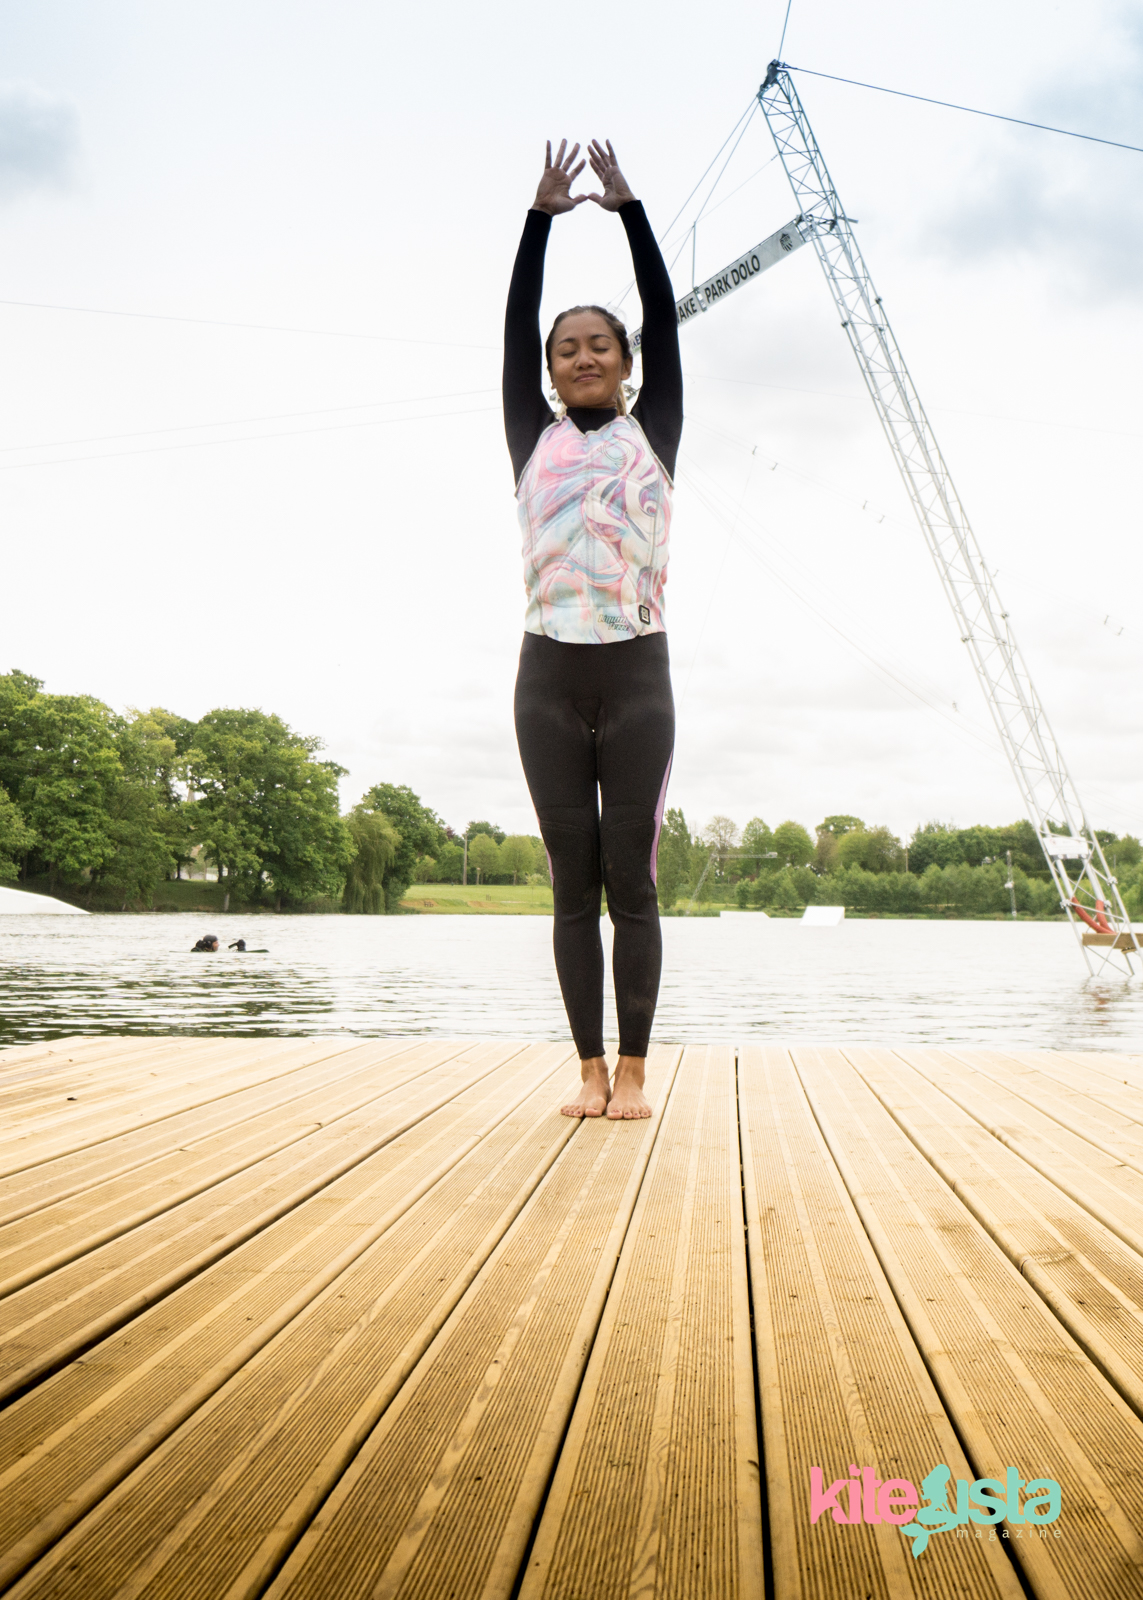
x: 553, y: 194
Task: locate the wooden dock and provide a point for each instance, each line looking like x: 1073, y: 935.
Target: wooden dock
x: 326, y: 1319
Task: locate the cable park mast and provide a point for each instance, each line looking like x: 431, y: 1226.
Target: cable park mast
x: 1071, y: 848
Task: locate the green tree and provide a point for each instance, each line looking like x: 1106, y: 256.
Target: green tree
x: 483, y: 857
x: 793, y: 844
x: 150, y: 827
x: 673, y: 865
x: 757, y: 843
x: 59, y: 763
x: 497, y: 835
x: 1123, y: 852
x: 450, y: 863
x: 517, y: 856
x: 16, y: 838
x: 421, y: 833
x: 375, y: 842
x: 934, y: 844
x: 837, y: 826
x: 874, y: 849
x: 540, y: 870
x: 267, y: 812
x: 162, y: 739
x: 721, y: 835
x: 425, y: 870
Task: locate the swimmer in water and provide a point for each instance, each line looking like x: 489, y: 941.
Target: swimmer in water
x: 208, y: 942
x: 595, y: 716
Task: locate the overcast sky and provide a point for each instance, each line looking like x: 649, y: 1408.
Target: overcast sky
x: 282, y: 480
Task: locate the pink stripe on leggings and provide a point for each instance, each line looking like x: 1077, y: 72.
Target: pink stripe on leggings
x: 659, y: 824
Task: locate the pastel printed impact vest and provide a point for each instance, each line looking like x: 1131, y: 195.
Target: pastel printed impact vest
x: 595, y: 514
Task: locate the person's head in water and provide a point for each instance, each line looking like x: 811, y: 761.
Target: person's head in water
x: 209, y: 941
x: 589, y: 357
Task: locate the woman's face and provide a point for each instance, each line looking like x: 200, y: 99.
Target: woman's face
x: 587, y: 361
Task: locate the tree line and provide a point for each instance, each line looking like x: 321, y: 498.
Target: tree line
x: 111, y: 805
x: 941, y: 869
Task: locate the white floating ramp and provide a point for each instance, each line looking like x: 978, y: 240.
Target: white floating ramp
x: 19, y: 903
x: 823, y: 916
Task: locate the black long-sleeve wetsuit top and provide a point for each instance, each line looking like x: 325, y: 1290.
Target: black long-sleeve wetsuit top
x: 659, y: 408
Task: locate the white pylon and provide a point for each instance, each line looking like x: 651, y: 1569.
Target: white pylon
x: 1071, y: 848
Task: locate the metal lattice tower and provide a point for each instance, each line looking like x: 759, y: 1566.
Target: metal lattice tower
x: 1072, y: 851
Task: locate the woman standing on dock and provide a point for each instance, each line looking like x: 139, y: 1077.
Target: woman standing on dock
x: 595, y: 717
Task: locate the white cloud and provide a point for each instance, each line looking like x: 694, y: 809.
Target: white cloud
x: 39, y: 140
x: 1073, y: 206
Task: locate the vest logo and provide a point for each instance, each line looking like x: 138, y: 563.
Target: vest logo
x: 986, y: 1501
x: 644, y: 614
x: 621, y: 624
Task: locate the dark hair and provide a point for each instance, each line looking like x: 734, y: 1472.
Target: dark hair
x: 612, y: 321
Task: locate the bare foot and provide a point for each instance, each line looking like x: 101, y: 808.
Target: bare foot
x: 627, y: 1098
x: 596, y: 1092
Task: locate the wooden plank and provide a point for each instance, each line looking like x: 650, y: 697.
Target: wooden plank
x: 216, y: 1076
x: 82, y: 1171
x: 15, y: 1057
x: 1106, y: 1079
x: 840, y: 1377
x: 1121, y: 941
x: 657, y: 1488
x: 111, y: 1065
x: 55, y: 1317
x: 1092, y: 1177
x: 1108, y: 1127
x: 444, y: 1495
x: 249, y: 1466
x: 97, y: 1081
x: 1090, y: 1279
x: 72, y: 1439
x: 1018, y: 1387
x: 75, y: 1224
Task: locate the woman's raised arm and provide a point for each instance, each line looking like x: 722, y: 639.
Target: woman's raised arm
x: 526, y: 412
x: 659, y: 408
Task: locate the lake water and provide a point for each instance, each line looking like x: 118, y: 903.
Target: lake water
x: 730, y: 978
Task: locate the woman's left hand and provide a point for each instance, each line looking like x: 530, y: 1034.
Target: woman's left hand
x: 616, y: 189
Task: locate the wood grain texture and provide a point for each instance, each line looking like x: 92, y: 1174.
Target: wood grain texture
x: 305, y: 1318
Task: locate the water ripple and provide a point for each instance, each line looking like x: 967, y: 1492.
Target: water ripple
x: 735, y: 977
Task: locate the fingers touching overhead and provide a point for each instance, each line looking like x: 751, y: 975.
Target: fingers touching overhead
x: 554, y: 192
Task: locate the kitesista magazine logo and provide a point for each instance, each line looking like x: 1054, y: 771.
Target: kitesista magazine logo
x: 984, y: 1502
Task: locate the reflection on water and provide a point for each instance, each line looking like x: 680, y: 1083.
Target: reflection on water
x: 733, y: 977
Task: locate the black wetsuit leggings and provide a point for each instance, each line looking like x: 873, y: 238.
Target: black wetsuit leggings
x: 596, y: 728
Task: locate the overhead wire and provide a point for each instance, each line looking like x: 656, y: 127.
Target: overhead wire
x: 979, y: 737
x: 742, y: 185
x: 662, y: 237
x: 867, y: 505
x: 973, y: 111
x: 964, y: 728
x: 241, y: 422
x: 898, y: 671
x: 257, y: 327
x: 785, y: 25
x: 952, y: 411
x: 289, y: 433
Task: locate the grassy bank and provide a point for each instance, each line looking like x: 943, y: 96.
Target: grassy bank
x: 454, y: 899
x: 177, y: 895
x: 486, y: 899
